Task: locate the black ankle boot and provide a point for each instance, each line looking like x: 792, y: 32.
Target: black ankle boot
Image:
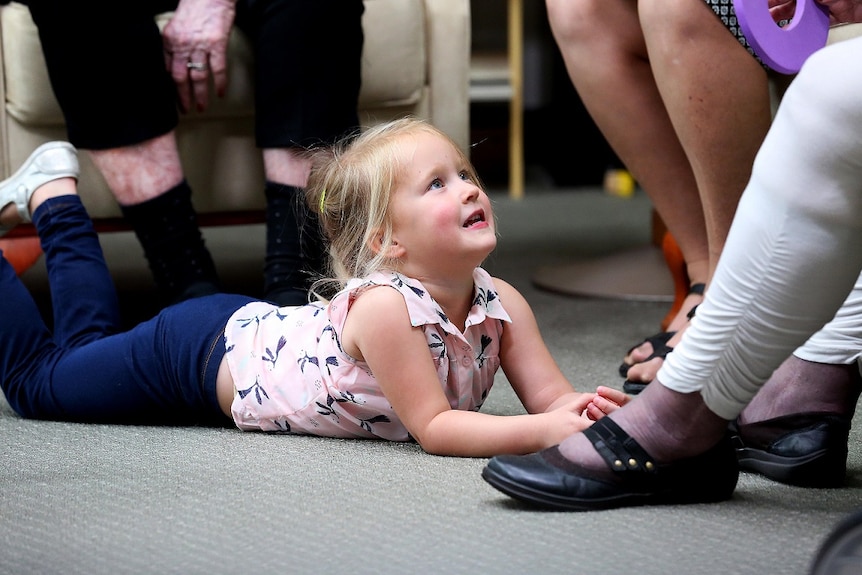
x: 294, y: 246
x: 167, y: 228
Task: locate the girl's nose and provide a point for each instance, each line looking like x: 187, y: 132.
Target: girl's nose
x: 470, y: 191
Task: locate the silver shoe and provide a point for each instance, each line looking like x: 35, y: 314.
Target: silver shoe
x: 48, y: 162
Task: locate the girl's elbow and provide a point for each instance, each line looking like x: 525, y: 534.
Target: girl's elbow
x: 439, y: 442
x: 432, y: 446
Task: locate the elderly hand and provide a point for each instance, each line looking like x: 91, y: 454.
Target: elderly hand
x: 782, y: 9
x: 195, y: 42
x: 843, y: 11
x: 840, y: 11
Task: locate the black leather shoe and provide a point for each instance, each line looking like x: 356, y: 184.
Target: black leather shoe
x: 547, y: 479
x: 803, y: 449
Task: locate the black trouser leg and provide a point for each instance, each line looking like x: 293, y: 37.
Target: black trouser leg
x: 295, y: 255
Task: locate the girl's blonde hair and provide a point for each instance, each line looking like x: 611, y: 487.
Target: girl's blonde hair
x: 350, y: 187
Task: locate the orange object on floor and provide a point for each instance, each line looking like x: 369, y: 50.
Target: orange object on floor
x: 676, y: 266
x: 22, y: 252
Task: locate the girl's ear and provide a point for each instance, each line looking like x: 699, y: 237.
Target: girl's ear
x: 395, y: 251
x: 392, y: 251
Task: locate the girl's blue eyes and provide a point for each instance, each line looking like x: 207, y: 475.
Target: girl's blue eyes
x: 437, y: 183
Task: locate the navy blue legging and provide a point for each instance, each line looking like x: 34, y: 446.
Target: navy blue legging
x: 161, y: 371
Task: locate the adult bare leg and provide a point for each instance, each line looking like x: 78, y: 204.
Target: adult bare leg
x: 624, y: 100
x: 717, y: 97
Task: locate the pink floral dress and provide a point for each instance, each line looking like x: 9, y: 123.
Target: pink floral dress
x: 291, y: 375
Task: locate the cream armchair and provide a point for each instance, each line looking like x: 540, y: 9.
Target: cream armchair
x: 415, y: 61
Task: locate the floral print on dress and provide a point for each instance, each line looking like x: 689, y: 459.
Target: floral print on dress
x: 292, y: 376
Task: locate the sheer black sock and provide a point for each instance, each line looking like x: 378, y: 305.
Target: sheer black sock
x: 167, y: 228
x: 295, y: 253
x: 799, y: 386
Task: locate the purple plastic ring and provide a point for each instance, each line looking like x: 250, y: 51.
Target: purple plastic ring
x: 783, y: 49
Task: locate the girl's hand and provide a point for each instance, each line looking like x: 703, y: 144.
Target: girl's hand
x: 576, y: 411
x: 605, y: 401
x: 579, y: 410
x: 563, y: 422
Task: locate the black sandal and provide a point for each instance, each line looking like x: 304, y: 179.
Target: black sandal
x: 659, y: 349
x: 660, y: 339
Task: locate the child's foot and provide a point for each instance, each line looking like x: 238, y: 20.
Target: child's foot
x: 48, y: 162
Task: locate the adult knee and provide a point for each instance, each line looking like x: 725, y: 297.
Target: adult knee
x: 674, y: 20
x: 578, y: 21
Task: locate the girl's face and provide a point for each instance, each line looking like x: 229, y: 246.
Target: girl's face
x: 441, y: 218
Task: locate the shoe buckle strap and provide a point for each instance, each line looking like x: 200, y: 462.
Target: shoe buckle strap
x: 621, y: 453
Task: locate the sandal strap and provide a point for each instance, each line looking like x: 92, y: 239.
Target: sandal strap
x: 691, y: 312
x: 619, y: 450
x: 656, y: 340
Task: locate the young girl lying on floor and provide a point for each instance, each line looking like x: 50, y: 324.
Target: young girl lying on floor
x: 415, y: 360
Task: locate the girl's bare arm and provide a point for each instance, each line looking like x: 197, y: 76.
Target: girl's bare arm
x: 378, y: 331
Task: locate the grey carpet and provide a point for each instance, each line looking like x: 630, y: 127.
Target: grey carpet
x: 95, y: 499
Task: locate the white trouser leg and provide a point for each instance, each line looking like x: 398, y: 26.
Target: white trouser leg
x: 840, y: 340
x: 795, y: 247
